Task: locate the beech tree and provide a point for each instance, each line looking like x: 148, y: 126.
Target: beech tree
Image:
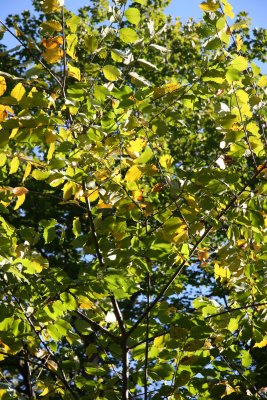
x: 133, y: 204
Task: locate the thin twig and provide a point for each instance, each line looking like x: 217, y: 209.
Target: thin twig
x: 147, y: 333
x: 125, y: 368
x: 230, y: 310
x: 64, y: 74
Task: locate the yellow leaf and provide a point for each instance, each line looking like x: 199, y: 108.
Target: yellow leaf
x: 166, y: 161
x: 27, y: 171
x: 239, y: 42
x: 203, y: 254
x: 52, y: 55
x: 72, y: 41
x: 20, y: 190
x: 181, y: 234
x: 18, y: 92
x: 93, y: 194
x: 135, y: 146
x: 20, y: 201
x: 4, y: 110
x: 51, y: 150
x: 68, y: 190
x: 74, y: 72
x: 52, y: 42
x: 228, y: 9
x: 262, y: 82
x: 2, y: 85
x: 51, y: 365
x: 261, y: 344
x: 133, y: 174
x: 101, y: 204
x: 138, y: 195
x: 52, y: 5
x: 3, y: 159
x: 221, y: 272
x: 209, y: 6
x: 44, y: 392
x: 14, y: 165
x: 85, y: 303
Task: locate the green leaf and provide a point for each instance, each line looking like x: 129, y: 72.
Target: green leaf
x: 111, y: 73
x: 233, y: 325
x: 246, y: 358
x: 133, y: 15
x: 240, y: 63
x: 128, y: 35
x: 40, y: 175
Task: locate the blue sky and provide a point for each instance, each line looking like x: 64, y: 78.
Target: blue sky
x: 257, y: 10
x: 185, y: 9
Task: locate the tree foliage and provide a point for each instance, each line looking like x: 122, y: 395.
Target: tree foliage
x: 133, y: 204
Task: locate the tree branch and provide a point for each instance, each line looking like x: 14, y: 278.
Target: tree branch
x: 180, y: 268
x: 147, y: 333
x: 230, y: 310
x: 97, y: 327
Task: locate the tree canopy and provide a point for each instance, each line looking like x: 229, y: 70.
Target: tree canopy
x: 133, y: 199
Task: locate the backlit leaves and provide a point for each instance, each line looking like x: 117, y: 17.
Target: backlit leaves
x: 128, y: 35
x: 111, y: 73
x: 133, y: 15
x: 133, y: 204
x: 2, y: 85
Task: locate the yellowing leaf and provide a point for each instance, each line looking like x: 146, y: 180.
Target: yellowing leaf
x: 166, y: 161
x: 51, y: 150
x: 85, y: 303
x: 242, y: 96
x: 4, y: 110
x: 240, y: 63
x: 101, y: 204
x: 52, y: 42
x: 2, y: 85
x: 27, y: 171
x: 18, y: 92
x: 3, y: 159
x: 203, y: 254
x: 262, y: 82
x: 133, y: 15
x: 209, y: 6
x: 221, y: 272
x: 93, y: 194
x: 128, y: 35
x: 20, y: 201
x: 111, y: 73
x: 261, y: 344
x: 133, y: 174
x: 20, y: 190
x: 14, y: 165
x: 135, y: 146
x: 52, y: 55
x: 74, y: 72
x: 50, y: 6
x: 68, y: 190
